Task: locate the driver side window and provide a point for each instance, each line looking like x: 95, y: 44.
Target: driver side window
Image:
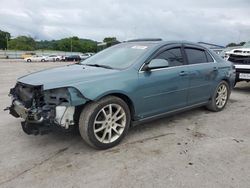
x: 173, y: 56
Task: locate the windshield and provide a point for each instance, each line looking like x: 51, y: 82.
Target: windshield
x: 119, y: 56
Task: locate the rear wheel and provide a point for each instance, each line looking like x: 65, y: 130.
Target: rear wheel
x: 105, y: 123
x: 43, y: 60
x: 220, y: 97
x: 235, y: 83
x: 28, y: 60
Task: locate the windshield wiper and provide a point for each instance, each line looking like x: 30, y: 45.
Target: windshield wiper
x: 98, y: 65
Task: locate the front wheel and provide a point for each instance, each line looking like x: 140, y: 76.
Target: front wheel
x: 220, y: 97
x: 105, y: 123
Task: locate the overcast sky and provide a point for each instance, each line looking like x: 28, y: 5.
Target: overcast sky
x: 215, y: 21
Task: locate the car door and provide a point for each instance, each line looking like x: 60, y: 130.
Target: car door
x: 202, y: 72
x: 164, y: 89
x: 34, y: 58
x: 37, y: 58
x: 52, y: 58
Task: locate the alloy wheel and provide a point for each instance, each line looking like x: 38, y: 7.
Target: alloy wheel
x: 109, y: 123
x: 221, y: 96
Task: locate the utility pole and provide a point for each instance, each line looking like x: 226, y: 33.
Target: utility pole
x: 7, y: 42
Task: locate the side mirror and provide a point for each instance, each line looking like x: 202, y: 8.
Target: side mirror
x: 156, y: 64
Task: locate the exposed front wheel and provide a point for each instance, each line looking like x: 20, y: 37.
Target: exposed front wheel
x: 104, y: 124
x: 220, y: 97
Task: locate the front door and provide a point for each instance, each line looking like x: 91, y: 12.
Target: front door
x: 164, y: 89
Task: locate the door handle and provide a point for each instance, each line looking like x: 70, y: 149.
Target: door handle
x: 183, y: 73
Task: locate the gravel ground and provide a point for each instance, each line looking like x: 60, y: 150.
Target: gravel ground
x: 197, y: 148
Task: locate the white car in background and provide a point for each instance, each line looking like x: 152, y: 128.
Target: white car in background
x: 36, y: 58
x: 241, y: 59
x: 54, y: 58
x: 86, y: 55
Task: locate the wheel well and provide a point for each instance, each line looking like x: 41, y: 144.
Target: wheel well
x: 125, y: 98
x: 128, y: 101
x: 229, y: 85
x: 228, y: 82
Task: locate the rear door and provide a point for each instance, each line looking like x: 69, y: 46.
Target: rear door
x: 202, y: 73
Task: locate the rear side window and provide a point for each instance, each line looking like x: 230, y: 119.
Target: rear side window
x: 173, y: 56
x: 209, y: 58
x: 196, y: 56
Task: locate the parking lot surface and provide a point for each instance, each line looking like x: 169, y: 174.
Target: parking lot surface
x: 197, y: 148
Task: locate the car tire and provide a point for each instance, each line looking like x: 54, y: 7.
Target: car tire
x: 28, y: 60
x: 101, y: 127
x: 235, y: 84
x: 43, y: 60
x: 57, y: 59
x: 220, y: 97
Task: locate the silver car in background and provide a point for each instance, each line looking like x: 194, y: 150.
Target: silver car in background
x: 86, y: 55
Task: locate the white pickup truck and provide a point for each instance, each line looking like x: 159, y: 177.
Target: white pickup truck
x: 241, y: 59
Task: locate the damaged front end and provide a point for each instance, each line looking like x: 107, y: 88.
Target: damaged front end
x: 44, y: 110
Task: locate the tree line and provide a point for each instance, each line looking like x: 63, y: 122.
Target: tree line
x: 73, y: 44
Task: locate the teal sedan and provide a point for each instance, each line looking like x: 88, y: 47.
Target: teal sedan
x: 126, y: 84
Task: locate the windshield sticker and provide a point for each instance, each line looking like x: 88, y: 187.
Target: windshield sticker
x: 140, y: 47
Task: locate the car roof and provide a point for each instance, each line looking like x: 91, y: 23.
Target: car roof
x: 161, y: 42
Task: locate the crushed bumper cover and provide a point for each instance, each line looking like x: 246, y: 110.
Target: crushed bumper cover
x: 35, y: 128
x: 40, y: 122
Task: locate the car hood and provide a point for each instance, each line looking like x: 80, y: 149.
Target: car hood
x: 66, y: 76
